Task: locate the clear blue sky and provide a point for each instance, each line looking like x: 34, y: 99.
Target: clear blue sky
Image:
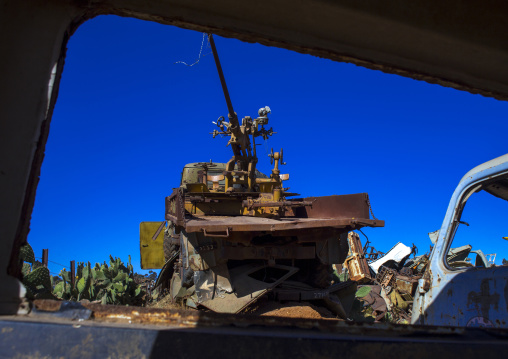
x: 128, y: 119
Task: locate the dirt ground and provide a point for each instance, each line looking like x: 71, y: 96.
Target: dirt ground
x: 165, y: 303
x: 266, y: 307
x: 290, y: 310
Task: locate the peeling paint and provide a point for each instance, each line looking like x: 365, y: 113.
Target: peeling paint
x: 483, y: 299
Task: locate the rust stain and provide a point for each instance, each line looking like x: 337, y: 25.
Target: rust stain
x: 191, y: 319
x: 483, y: 300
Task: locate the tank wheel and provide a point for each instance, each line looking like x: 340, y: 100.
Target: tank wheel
x: 168, y: 244
x: 168, y: 247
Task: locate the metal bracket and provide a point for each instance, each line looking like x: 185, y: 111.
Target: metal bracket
x: 216, y: 235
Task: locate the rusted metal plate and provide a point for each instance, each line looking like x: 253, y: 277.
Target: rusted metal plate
x: 153, y: 333
x: 245, y: 224
x: 358, y: 268
x: 175, y: 207
x: 337, y: 206
x: 406, y: 284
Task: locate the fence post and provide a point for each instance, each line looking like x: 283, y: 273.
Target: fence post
x: 45, y: 258
x: 73, y: 273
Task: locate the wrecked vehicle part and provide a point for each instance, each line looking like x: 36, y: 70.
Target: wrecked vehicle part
x: 238, y: 234
x: 388, y: 296
x: 200, y: 252
x: 371, y: 254
x: 481, y: 259
x: 119, y: 331
x: 250, y: 281
x: 166, y: 273
x: 370, y: 304
x: 415, y: 265
x: 356, y: 263
x: 338, y: 298
x: 456, y: 292
x: 397, y: 254
x: 459, y: 254
x: 406, y: 285
x: 386, y: 277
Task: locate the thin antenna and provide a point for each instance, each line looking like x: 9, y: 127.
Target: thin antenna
x: 199, y: 56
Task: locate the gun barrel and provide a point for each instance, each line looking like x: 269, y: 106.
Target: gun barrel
x: 232, y: 115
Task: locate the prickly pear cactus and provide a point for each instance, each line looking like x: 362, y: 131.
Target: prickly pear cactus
x: 26, y: 254
x: 59, y: 289
x: 38, y: 284
x: 111, y: 284
x: 37, y: 280
x: 27, y: 268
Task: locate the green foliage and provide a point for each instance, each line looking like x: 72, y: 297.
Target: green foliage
x: 36, y: 278
x: 26, y: 269
x: 362, y: 292
x: 38, y: 283
x: 26, y: 254
x: 111, y: 284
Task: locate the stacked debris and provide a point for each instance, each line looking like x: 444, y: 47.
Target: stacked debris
x: 387, y: 282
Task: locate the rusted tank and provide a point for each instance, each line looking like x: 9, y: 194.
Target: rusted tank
x: 234, y: 234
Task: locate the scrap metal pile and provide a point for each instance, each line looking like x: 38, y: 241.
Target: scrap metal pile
x: 387, y: 282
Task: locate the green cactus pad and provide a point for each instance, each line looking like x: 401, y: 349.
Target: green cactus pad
x: 26, y: 269
x: 81, y: 285
x: 121, y: 277
x: 137, y: 291
x: 59, y: 289
x: 86, y: 272
x: 26, y: 254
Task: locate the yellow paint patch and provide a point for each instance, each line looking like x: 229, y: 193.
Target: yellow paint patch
x: 152, y: 253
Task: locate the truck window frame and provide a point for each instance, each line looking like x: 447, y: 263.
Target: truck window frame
x: 460, y: 204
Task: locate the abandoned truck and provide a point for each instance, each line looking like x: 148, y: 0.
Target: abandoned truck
x: 233, y: 234
x: 457, y: 291
x: 456, y: 284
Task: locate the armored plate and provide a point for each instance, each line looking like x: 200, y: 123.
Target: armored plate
x: 247, y: 224
x: 247, y: 288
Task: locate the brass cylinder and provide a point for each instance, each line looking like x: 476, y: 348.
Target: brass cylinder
x: 276, y: 194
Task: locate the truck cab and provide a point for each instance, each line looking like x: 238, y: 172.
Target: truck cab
x: 462, y: 286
